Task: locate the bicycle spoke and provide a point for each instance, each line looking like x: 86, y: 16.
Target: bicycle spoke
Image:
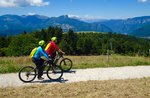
x: 27, y: 74
x: 55, y: 74
x: 66, y: 64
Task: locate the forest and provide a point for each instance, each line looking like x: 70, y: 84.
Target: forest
x: 76, y: 43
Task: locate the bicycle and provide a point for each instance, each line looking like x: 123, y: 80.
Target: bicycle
x: 65, y: 63
x: 29, y: 73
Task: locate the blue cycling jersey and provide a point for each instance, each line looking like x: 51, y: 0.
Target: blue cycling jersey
x: 40, y: 52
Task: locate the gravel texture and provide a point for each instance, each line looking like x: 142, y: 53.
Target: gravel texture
x: 76, y: 75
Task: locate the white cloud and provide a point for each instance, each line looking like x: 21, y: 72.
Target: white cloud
x: 85, y: 17
x: 37, y: 2
x: 74, y: 16
x: 31, y: 13
x: 7, y: 3
x: 22, y: 3
x: 88, y: 17
x: 143, y: 1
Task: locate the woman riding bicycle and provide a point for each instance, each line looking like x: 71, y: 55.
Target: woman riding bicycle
x: 38, y: 60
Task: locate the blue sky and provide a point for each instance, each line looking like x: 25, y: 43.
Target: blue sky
x: 90, y: 9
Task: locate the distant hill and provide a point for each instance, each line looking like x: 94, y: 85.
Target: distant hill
x: 128, y: 26
x: 142, y: 32
x: 14, y: 24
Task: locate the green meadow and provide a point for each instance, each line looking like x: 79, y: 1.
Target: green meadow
x: 13, y: 64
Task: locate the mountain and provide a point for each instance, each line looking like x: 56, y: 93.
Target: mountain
x: 86, y: 19
x: 142, y: 32
x: 14, y: 24
x: 127, y: 26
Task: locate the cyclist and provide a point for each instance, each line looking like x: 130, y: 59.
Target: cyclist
x: 38, y: 60
x: 52, y: 47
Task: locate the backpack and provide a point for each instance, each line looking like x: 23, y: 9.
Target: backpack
x: 33, y: 52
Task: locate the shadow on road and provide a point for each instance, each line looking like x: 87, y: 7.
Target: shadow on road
x: 71, y: 71
x: 62, y: 80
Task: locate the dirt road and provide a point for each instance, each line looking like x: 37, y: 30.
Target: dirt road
x: 76, y: 75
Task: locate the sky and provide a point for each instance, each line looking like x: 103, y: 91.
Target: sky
x: 87, y: 9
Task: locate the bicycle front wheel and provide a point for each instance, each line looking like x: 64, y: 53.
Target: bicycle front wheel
x: 66, y: 64
x: 55, y: 73
x: 27, y: 74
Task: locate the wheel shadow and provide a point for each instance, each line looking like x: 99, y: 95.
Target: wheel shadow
x: 62, y: 80
x: 70, y: 71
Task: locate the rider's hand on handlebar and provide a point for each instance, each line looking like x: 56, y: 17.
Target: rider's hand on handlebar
x: 63, y: 52
x: 49, y: 59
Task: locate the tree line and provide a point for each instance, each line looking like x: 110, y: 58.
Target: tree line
x: 75, y: 43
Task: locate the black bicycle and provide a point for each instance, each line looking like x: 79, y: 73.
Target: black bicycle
x: 65, y: 63
x: 29, y: 73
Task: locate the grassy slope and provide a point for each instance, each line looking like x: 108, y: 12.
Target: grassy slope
x: 131, y: 88
x: 13, y: 64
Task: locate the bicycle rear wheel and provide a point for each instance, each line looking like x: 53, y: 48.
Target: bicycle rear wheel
x: 27, y: 74
x: 66, y: 64
x: 55, y: 73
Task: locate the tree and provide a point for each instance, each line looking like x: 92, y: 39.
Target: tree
x: 24, y: 32
x: 50, y: 33
x: 58, y: 33
x: 21, y: 45
x: 43, y: 35
x: 71, y: 39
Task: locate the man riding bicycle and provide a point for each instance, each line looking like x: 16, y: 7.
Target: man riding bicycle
x: 51, y: 48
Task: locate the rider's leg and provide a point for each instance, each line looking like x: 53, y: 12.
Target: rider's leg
x: 40, y: 67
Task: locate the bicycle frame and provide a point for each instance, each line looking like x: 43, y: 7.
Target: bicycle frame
x: 57, y: 58
x: 54, y: 72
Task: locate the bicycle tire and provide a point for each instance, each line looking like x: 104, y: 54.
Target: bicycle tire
x: 27, y: 74
x: 55, y: 73
x: 66, y: 64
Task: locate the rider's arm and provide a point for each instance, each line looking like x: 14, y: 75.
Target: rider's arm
x: 44, y: 53
x: 61, y: 51
x: 58, y: 49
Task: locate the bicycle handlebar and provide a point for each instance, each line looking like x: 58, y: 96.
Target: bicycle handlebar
x: 60, y: 54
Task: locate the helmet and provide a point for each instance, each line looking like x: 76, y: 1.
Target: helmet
x: 41, y: 43
x: 54, y: 39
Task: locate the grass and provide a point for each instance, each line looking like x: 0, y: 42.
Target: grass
x: 13, y: 64
x: 131, y: 88
x: 105, y: 61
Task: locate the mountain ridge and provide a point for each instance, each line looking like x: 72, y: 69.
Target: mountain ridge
x: 8, y: 24
x: 126, y: 26
x: 15, y: 24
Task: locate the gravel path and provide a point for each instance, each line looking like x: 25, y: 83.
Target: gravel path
x: 12, y: 80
